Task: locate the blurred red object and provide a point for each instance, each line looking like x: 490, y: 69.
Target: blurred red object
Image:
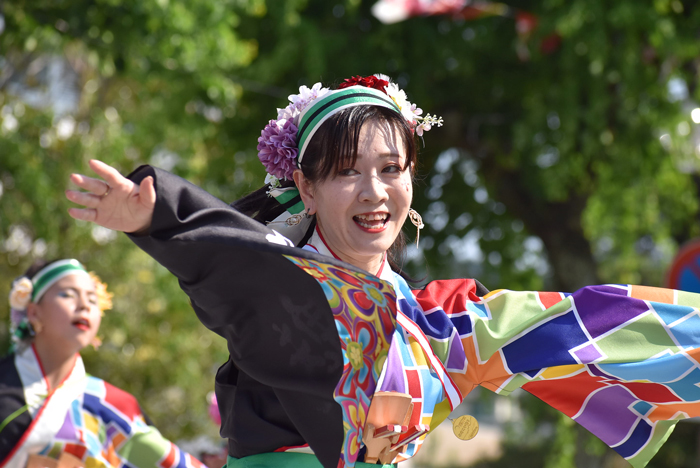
x: 393, y: 11
x: 550, y: 44
x: 476, y: 10
x: 214, y: 409
x: 525, y: 23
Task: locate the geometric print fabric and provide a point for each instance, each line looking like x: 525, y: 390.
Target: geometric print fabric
x: 620, y: 360
x: 104, y: 427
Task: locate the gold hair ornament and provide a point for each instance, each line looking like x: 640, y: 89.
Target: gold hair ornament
x: 417, y: 221
x: 294, y: 219
x: 297, y: 218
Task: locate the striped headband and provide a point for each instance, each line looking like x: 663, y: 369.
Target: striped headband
x: 333, y: 102
x: 47, y: 276
x: 284, y: 140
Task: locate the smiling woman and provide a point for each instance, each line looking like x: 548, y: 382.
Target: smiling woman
x: 334, y: 360
x: 51, y: 412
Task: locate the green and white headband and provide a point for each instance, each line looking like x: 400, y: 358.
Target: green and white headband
x: 333, y: 102
x: 47, y: 276
x: 25, y: 290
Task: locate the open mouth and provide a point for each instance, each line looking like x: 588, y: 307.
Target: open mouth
x: 372, y: 221
x: 81, y: 323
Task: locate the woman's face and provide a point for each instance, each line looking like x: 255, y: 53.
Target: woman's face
x: 361, y: 209
x: 68, y: 313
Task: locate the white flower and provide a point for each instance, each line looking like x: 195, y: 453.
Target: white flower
x: 398, y: 95
x: 272, y: 181
x: 382, y: 76
x: 306, y: 94
x: 285, y: 114
x: 427, y: 122
x: 21, y: 293
x: 422, y: 127
x: 409, y: 111
x: 299, y: 102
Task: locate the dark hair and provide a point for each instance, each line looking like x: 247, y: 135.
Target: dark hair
x: 37, y: 266
x: 333, y: 147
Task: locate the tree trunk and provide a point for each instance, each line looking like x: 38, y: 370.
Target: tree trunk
x: 558, y: 224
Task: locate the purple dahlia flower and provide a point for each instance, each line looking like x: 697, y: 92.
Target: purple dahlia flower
x: 277, y: 148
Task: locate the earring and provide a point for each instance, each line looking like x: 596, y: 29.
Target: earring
x: 297, y: 218
x: 36, y: 327
x: 417, y: 221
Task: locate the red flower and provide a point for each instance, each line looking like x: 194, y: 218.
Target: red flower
x: 550, y: 44
x: 366, y: 81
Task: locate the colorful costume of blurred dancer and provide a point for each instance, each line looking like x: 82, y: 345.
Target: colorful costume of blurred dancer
x: 51, y: 412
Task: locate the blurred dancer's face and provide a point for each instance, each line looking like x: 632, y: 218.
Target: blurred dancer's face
x: 68, y: 313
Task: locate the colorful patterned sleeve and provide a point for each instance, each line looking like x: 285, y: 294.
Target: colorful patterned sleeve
x: 622, y: 361
x: 116, y: 433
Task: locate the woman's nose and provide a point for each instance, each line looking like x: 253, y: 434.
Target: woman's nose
x: 373, y: 189
x: 83, y: 302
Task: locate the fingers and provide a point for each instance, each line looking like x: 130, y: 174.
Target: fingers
x: 147, y: 192
x: 96, y: 186
x: 107, y: 172
x: 84, y: 198
x: 84, y: 214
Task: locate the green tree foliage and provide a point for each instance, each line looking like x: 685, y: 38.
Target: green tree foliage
x: 565, y: 160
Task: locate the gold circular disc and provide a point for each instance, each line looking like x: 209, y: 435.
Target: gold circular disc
x: 465, y: 427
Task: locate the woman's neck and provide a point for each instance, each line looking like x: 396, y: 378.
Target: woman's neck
x: 56, y: 363
x: 372, y: 264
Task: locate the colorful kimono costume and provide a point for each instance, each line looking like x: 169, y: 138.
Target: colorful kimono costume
x: 311, y: 340
x: 86, y: 417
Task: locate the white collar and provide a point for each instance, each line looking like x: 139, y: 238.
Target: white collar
x: 316, y: 244
x: 31, y: 373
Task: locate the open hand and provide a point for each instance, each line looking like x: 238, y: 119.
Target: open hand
x: 113, y: 201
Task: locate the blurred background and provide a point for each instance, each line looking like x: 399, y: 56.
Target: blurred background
x: 570, y: 155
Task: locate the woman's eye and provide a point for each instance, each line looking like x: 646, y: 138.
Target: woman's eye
x: 392, y: 169
x: 65, y: 294
x: 347, y: 171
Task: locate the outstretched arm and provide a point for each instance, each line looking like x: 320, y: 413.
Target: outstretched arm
x: 113, y: 201
x: 621, y: 360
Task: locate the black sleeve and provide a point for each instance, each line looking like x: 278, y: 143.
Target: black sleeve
x: 13, y: 421
x: 275, y: 317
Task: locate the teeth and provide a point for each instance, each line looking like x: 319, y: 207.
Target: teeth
x: 369, y: 221
x: 373, y: 216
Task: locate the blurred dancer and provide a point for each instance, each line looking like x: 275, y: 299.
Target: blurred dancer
x: 51, y: 412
